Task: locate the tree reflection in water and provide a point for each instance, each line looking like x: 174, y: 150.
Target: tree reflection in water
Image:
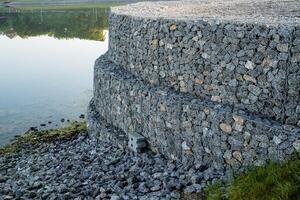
x: 89, y: 24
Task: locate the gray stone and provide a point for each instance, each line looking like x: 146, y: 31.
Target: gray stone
x: 233, y: 83
x: 114, y: 197
x: 282, y: 47
x: 298, y: 109
x: 205, y: 56
x: 283, y: 56
x: 296, y: 145
x: 262, y: 138
x: 249, y: 78
x: 237, y: 155
x: 247, y: 137
x: 276, y: 140
x: 254, y: 90
x: 155, y: 188
x: 190, y: 189
x: 227, y: 155
x: 249, y: 65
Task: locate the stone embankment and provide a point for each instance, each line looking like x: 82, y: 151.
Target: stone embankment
x: 213, y: 82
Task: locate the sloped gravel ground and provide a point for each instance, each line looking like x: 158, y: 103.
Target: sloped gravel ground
x: 86, y: 169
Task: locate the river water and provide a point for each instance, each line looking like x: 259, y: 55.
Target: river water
x: 46, y: 66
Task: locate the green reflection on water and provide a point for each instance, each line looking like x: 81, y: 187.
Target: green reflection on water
x: 89, y: 24
x: 66, y: 92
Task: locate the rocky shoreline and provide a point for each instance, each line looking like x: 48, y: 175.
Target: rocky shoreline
x: 83, y: 168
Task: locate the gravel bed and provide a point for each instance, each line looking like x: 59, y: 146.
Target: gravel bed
x: 279, y: 12
x: 85, y: 169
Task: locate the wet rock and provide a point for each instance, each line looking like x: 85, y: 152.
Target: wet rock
x: 82, y: 116
x: 33, y: 128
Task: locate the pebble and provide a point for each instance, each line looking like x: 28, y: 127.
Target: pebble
x: 237, y: 155
x: 296, y: 145
x: 254, y: 90
x: 277, y: 140
x: 225, y: 127
x: 173, y: 27
x: 238, y: 120
x: 249, y: 78
x: 282, y: 47
x: 249, y: 65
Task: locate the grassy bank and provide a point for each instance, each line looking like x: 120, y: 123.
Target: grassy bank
x: 36, y: 137
x: 273, y: 182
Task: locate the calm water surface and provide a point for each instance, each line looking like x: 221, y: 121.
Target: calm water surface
x: 46, y: 66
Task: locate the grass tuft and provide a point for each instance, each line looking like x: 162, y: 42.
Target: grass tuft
x: 36, y: 137
x: 273, y: 182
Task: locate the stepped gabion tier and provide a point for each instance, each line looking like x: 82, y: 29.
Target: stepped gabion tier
x: 213, y: 82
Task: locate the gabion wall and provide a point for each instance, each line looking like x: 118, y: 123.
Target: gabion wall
x: 182, y: 126
x: 251, y: 67
x: 220, y: 94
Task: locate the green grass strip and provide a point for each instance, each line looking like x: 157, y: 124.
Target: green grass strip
x: 273, y: 182
x: 37, y: 137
